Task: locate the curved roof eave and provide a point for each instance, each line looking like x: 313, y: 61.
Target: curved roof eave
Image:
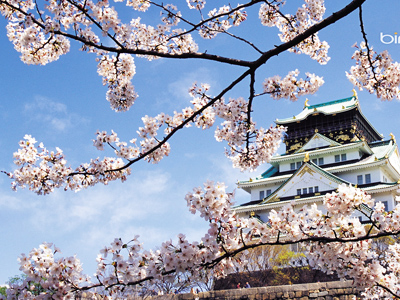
x: 279, y: 204
x: 337, y: 106
x: 382, y: 188
x: 357, y: 144
x: 337, y: 169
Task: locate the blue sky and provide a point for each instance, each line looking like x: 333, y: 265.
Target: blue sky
x: 63, y: 104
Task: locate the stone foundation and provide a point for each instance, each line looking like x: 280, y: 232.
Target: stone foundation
x: 335, y: 290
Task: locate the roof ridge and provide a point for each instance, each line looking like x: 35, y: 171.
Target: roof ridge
x: 331, y: 102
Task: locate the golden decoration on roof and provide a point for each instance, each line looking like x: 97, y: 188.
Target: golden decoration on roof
x: 306, y: 103
x: 354, y: 93
x: 343, y: 137
x: 252, y: 214
x: 295, y: 147
x: 305, y: 170
x: 392, y: 137
x: 306, y: 157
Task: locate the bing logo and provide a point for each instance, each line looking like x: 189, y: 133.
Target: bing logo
x: 390, y: 39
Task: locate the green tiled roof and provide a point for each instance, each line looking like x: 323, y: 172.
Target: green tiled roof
x: 271, y: 171
x: 330, y: 103
x: 328, y: 108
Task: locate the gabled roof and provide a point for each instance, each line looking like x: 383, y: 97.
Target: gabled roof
x: 308, y: 172
x: 377, y: 154
x: 318, y: 141
x: 326, y: 181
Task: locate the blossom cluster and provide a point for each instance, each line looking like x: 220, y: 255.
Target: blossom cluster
x: 221, y: 20
x: 36, y: 47
x: 337, y: 242
x: 375, y: 72
x: 117, y: 74
x: 249, y: 146
x: 43, y: 170
x: 290, y: 87
x: 291, y: 26
x: 46, y: 276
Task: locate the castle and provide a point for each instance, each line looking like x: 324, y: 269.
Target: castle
x: 326, y: 145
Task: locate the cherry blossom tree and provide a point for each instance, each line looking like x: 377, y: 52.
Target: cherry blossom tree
x: 43, y: 30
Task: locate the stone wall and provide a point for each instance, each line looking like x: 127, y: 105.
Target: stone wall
x: 334, y: 290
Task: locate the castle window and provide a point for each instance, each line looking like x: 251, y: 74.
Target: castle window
x: 339, y: 158
x: 298, y: 192
x: 310, y: 190
x: 269, y: 192
x: 320, y: 161
x: 292, y: 166
x: 262, y: 195
x: 315, y: 161
x: 298, y: 164
x: 305, y: 191
x: 359, y: 179
x: 367, y: 178
x: 386, y: 205
x: 316, y: 189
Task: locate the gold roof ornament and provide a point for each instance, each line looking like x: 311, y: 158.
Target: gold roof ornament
x: 306, y: 103
x: 252, y: 214
x: 306, y: 157
x: 392, y: 137
x: 354, y: 93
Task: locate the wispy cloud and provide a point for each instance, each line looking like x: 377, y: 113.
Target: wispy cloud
x: 180, y: 87
x: 178, y: 91
x: 44, y: 111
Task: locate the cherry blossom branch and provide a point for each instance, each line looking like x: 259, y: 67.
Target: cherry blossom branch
x: 307, y: 33
x: 241, y: 158
x: 393, y: 294
x: 371, y: 64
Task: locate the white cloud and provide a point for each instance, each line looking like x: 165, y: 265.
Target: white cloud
x: 44, y: 111
x: 180, y: 87
x: 45, y: 104
x: 177, y: 94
